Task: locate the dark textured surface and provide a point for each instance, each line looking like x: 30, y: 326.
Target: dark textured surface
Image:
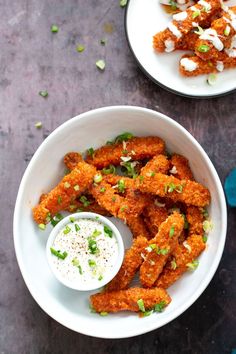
x: 32, y: 59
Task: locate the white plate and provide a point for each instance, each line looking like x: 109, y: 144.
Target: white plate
x: 94, y: 128
x: 144, y: 18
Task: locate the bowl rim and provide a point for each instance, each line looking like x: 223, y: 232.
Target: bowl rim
x: 148, y: 327
x: 92, y: 216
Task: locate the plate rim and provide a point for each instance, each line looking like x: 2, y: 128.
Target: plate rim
x: 153, y: 325
x: 154, y: 80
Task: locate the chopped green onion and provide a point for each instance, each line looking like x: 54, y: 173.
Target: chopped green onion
x: 193, y: 265
x: 186, y: 223
x: 59, y: 199
x: 123, y: 137
x: 196, y: 14
x: 103, y: 41
x: 172, y: 231
x: 100, y: 277
x: 97, y: 178
x: 108, y: 231
x: 204, y: 48
x: 91, y: 263
x: 42, y: 226
x: 92, y: 310
x: 113, y: 199
x: 55, y: 220
x: 129, y: 169
x: 85, y: 201
x: 72, y: 219
x: 76, y: 187
x: 100, y: 64
x: 110, y: 170
x: 207, y: 226
x: 58, y: 254
x: 123, y: 3
x: 66, y: 230
x: 38, y: 125
x: 153, y: 246
x: 43, y: 93
x: 103, y: 190
x: 92, y: 245
x: 123, y: 208
x: 160, y: 306
x: 173, y: 4
x: 204, y: 238
x: 75, y: 262
x: 96, y: 233
x: 173, y: 264
x: 147, y: 313
x: 77, y: 228
x: 211, y: 80
x: 121, y: 186
x: 141, y: 305
x: 103, y: 313
x: 67, y: 185
x: 162, y: 251
x: 199, y: 30
x: 227, y: 31
x: 80, y: 48
x: 54, y: 29
x: 90, y: 152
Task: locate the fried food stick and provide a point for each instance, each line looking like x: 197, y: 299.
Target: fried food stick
x: 161, y: 247
x: 131, y: 263
x: 158, y: 163
x: 167, y: 40
x: 69, y: 188
x: 180, y: 167
x: 86, y: 202
x: 188, y: 192
x: 214, y: 39
x: 193, y: 65
x: 71, y: 160
x: 127, y: 300
x: 137, y: 226
x: 154, y: 216
x: 138, y: 148
x: 182, y: 257
x: 195, y: 219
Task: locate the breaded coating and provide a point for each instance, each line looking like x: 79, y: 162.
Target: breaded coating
x: 126, y: 300
x: 154, y: 216
x: 138, y: 148
x: 158, y: 163
x: 69, y: 188
x: 214, y: 39
x: 180, y: 167
x: 161, y: 247
x: 195, y: 219
x: 182, y: 256
x: 137, y: 226
x: 200, y: 67
x: 182, y: 24
x: 71, y: 160
x: 188, y: 192
x: 188, y: 42
x: 86, y: 202
x: 131, y: 263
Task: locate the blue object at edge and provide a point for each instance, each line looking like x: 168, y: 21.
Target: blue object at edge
x: 230, y: 188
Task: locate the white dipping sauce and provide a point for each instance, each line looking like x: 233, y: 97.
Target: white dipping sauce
x: 91, y: 252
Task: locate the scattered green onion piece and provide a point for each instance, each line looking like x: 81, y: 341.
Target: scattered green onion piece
x: 76, y: 187
x: 92, y: 310
x: 108, y: 231
x: 123, y: 3
x: 207, y: 226
x: 59, y: 199
x: 173, y: 4
x: 103, y: 41
x: 173, y: 264
x: 66, y: 230
x: 72, y: 219
x: 227, y: 31
x: 38, y: 125
x: 43, y: 93
x: 54, y: 29
x: 204, y: 48
x: 75, y: 262
x: 92, y: 245
x: 141, y: 305
x: 103, y: 313
x: 100, y: 64
x: 110, y: 170
x: 91, y: 263
x: 67, y: 185
x: 42, y: 226
x: 172, y: 231
x: 90, y: 152
x: 80, y: 48
x: 103, y: 190
x: 113, y: 199
x: 123, y: 137
x: 160, y: 306
x: 193, y: 265
x: 162, y: 251
x: 211, y: 80
x: 97, y: 178
x: 84, y: 200
x: 196, y: 14
x: 58, y: 254
x: 121, y: 186
x: 55, y: 220
x: 77, y: 228
x: 199, y: 30
x: 100, y: 277
x: 204, y: 238
x: 96, y: 233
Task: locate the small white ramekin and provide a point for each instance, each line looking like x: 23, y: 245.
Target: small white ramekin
x: 63, y: 223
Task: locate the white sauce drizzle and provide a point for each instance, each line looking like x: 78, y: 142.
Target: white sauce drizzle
x: 220, y: 66
x: 181, y: 16
x: 170, y: 45
x: 188, y: 64
x: 231, y: 52
x: 75, y: 243
x: 174, y: 30
x: 212, y: 36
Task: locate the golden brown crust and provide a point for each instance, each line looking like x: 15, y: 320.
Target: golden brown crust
x: 137, y: 226
x: 71, y: 160
x: 188, y: 192
x: 126, y: 300
x: 165, y: 242
x: 138, y: 148
x: 64, y: 193
x: 195, y: 219
x: 158, y: 163
x: 182, y: 166
x: 131, y: 263
x: 182, y: 256
x: 154, y: 216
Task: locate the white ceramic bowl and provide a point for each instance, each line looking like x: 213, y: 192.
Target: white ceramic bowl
x: 94, y: 128
x: 107, y: 277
